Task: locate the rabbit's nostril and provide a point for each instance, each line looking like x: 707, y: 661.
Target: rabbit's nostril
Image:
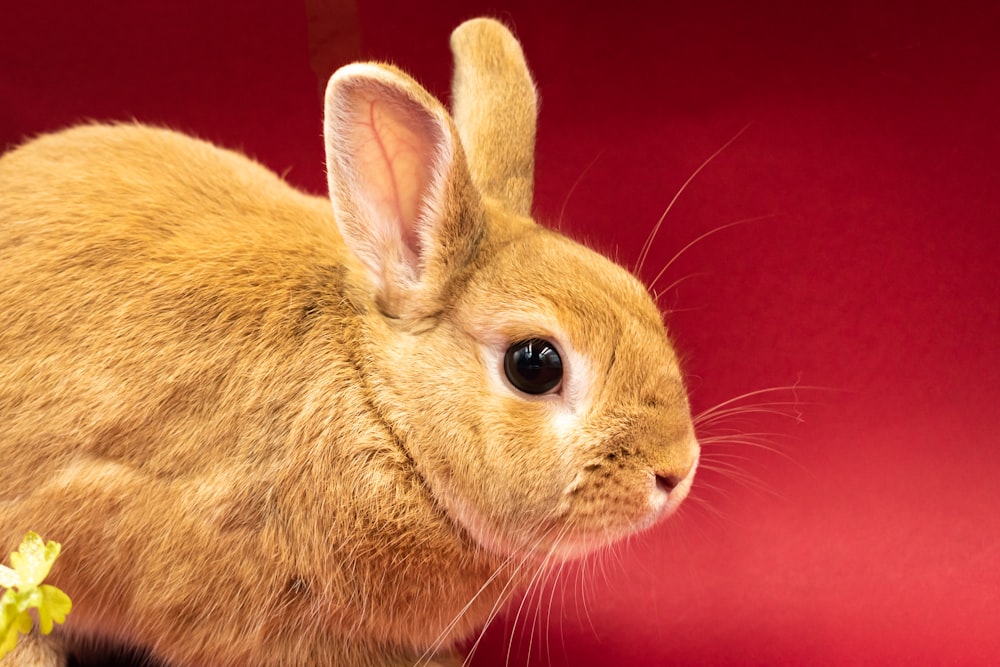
x: 667, y: 483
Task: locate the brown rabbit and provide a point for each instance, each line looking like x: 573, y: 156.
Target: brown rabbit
x: 270, y: 432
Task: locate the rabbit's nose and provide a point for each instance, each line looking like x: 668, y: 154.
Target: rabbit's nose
x: 667, y: 482
x: 670, y: 487
x: 672, y: 476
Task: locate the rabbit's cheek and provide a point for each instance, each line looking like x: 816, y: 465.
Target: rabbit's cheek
x: 512, y: 535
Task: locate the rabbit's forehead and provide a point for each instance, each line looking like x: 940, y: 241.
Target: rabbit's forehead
x: 542, y: 283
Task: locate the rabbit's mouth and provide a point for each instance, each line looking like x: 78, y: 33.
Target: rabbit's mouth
x: 664, y: 496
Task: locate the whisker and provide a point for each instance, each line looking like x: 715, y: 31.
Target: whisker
x: 562, y: 617
x: 436, y: 645
x: 725, y: 434
x: 722, y: 519
x: 744, y: 478
x: 712, y: 487
x: 502, y: 597
x: 698, y: 502
x: 720, y: 436
x: 704, y: 236
x: 657, y: 294
x: 714, y: 434
x: 556, y: 585
x: 572, y: 189
x: 775, y: 409
x: 705, y: 414
x: 505, y: 593
x: 723, y: 457
x: 718, y: 454
x: 741, y: 441
x: 656, y: 228
x: 538, y: 624
x: 530, y: 589
x: 581, y: 599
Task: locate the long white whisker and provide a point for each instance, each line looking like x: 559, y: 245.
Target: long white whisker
x: 657, y: 294
x: 556, y: 585
x: 702, y: 503
x: 701, y: 238
x: 742, y: 477
x: 429, y: 653
x: 535, y: 578
x: 656, y: 228
x: 585, y: 564
x: 501, y: 600
x: 705, y: 414
x: 572, y: 189
x: 723, y: 457
x: 773, y: 408
x: 725, y: 435
x: 537, y: 624
x: 745, y: 442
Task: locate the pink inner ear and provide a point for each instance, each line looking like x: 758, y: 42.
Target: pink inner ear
x: 395, y: 151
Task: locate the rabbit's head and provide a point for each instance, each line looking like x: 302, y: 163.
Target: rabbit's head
x: 530, y: 380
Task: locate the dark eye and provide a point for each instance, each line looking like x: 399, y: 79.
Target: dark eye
x: 533, y: 366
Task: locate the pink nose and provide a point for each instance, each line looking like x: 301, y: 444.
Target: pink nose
x: 667, y: 483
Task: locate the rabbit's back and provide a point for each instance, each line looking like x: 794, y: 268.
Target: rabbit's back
x: 154, y: 291
x: 147, y: 184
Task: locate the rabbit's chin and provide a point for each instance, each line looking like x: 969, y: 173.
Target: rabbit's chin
x: 560, y: 540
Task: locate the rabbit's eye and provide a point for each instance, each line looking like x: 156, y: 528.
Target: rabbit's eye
x: 533, y: 366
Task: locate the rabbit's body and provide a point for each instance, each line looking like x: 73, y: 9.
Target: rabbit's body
x: 269, y: 434
x: 230, y: 398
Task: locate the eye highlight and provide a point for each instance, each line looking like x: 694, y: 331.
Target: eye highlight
x: 533, y: 366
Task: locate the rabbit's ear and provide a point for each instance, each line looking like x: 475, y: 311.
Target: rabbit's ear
x: 402, y: 195
x: 495, y: 109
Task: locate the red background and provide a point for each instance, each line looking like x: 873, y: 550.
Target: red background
x: 871, y: 535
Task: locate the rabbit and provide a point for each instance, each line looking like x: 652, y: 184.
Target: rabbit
x: 274, y: 429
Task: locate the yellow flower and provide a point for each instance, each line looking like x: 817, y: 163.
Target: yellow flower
x: 25, y: 590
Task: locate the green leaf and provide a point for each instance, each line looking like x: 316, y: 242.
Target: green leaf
x: 34, y: 559
x: 12, y: 622
x: 8, y: 638
x: 8, y: 631
x: 53, y: 606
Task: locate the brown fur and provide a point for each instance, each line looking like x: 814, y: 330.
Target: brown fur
x: 266, y: 434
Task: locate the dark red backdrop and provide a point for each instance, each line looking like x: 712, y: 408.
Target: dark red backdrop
x: 871, y: 536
